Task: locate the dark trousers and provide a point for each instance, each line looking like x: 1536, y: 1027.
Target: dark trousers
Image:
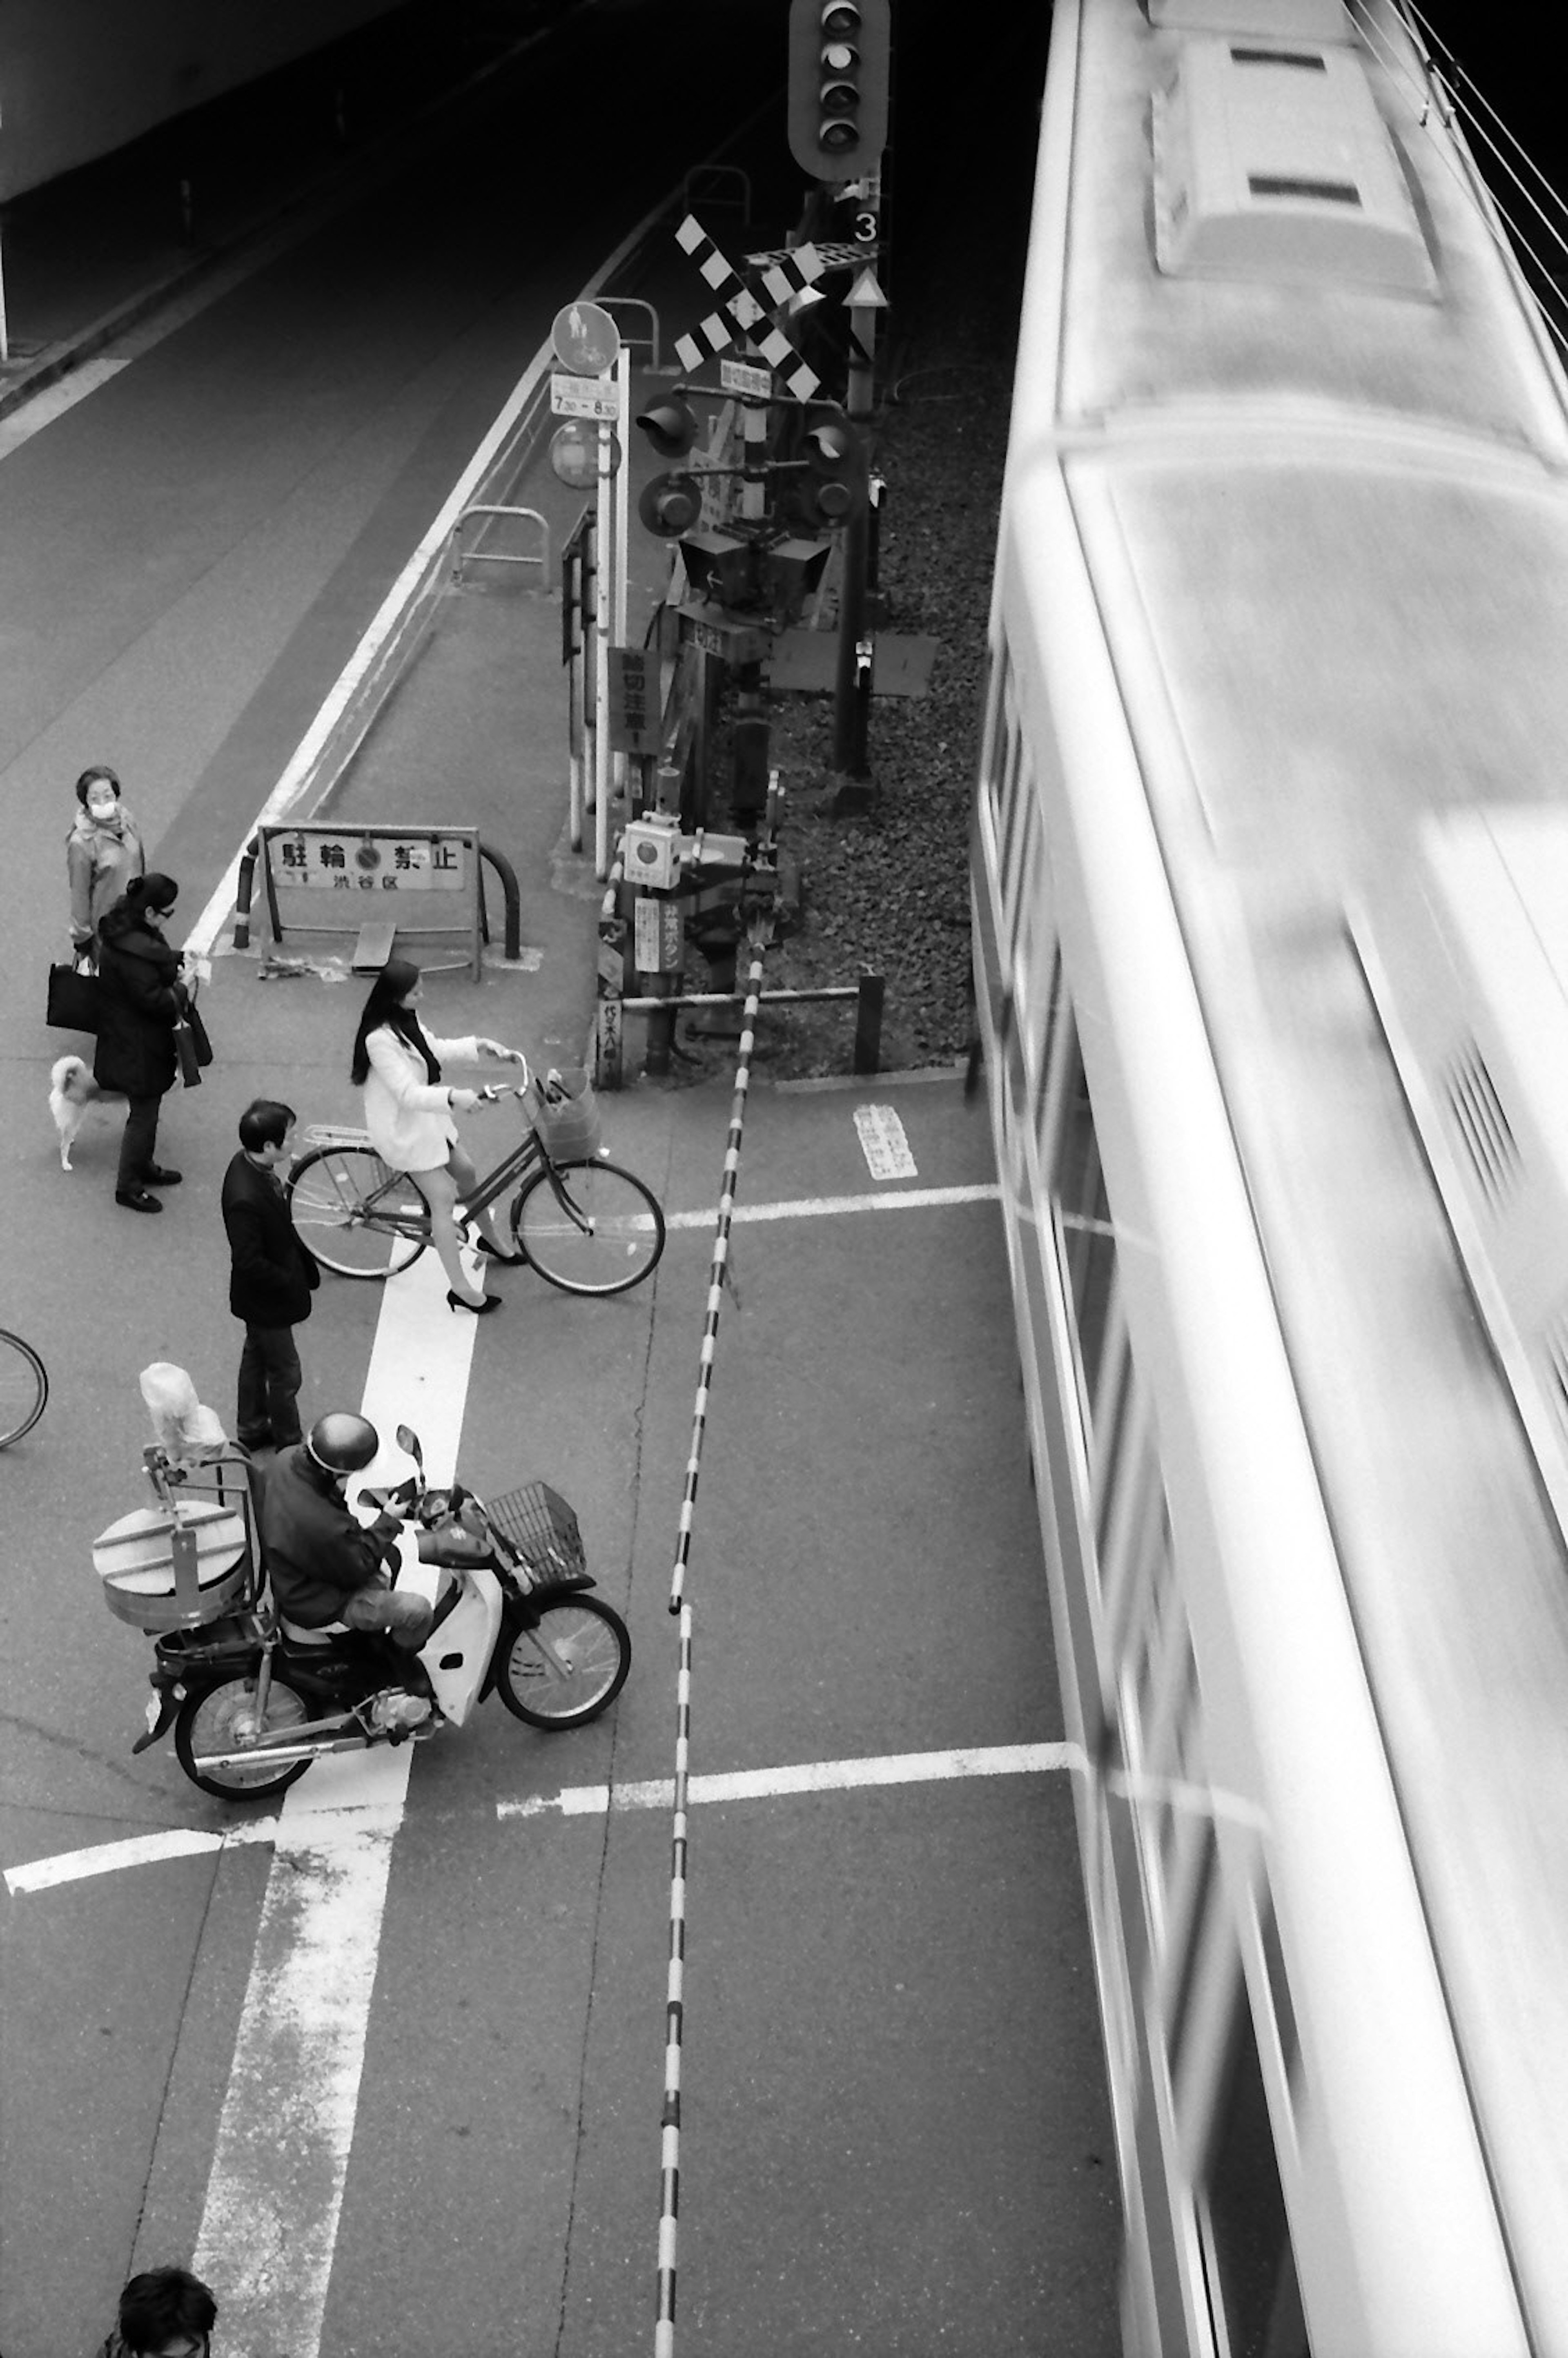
x: 136, y: 1156
x: 270, y: 1378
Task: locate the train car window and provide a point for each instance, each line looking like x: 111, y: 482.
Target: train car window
x: 996, y: 694
x: 1135, y: 1559
x: 1196, y: 1894
x: 1109, y: 1420
x: 1055, y: 1002
x: 1084, y: 1211
x: 1279, y: 1995
x: 1254, y: 2296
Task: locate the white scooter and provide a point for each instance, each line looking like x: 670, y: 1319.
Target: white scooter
x: 253, y: 1699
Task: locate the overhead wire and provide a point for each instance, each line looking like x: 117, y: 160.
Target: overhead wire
x: 1441, y: 80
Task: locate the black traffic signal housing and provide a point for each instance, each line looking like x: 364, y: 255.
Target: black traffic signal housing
x: 838, y: 61
x: 670, y: 505
x: 670, y: 426
x: 835, y: 485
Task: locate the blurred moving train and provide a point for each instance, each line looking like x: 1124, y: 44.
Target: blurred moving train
x: 1271, y: 888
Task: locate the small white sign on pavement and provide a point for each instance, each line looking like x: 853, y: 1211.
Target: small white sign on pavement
x: 883, y: 1142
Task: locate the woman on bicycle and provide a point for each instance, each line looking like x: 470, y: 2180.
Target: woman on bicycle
x: 408, y: 1112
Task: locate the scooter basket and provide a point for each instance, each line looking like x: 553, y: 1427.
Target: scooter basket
x: 543, y: 1530
x: 568, y: 1125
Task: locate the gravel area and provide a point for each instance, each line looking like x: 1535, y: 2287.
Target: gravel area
x: 887, y: 889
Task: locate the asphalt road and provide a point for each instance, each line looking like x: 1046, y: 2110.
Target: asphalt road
x: 895, y: 2128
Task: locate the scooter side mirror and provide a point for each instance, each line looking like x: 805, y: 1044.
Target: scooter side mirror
x: 408, y: 1441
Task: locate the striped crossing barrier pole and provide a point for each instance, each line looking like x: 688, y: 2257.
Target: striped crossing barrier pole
x: 716, y: 1273
x: 675, y: 1986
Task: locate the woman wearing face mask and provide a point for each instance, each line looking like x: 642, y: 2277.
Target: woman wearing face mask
x: 103, y: 854
x: 408, y: 1112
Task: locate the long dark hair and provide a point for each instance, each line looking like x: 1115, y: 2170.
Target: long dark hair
x: 392, y: 985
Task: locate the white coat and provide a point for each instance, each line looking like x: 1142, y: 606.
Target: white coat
x: 410, y: 1119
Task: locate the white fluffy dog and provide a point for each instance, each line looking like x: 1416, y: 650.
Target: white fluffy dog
x: 72, y: 1090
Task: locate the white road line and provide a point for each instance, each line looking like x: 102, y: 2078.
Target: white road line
x: 884, y: 1142
x: 343, y: 1821
x: 822, y: 1207
x: 44, y: 407
x: 270, y: 2224
x: 805, y: 1777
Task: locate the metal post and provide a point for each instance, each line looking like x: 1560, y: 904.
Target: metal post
x: 572, y: 654
x: 869, y: 1023
x: 623, y: 519
x: 853, y: 679
x: 603, y: 606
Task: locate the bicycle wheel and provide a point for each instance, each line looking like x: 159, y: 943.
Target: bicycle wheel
x: 355, y: 1212
x: 220, y: 1719
x: 589, y: 1228
x: 575, y: 1673
x: 24, y: 1388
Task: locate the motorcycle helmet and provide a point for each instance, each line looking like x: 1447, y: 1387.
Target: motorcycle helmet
x: 341, y: 1443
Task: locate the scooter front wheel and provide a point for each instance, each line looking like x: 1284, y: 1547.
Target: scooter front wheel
x: 219, y: 1719
x: 569, y: 1667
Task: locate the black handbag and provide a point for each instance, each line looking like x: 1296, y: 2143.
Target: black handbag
x: 185, y: 1053
x: 199, y: 1039
x: 72, y: 999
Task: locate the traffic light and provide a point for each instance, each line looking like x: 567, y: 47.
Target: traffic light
x: 670, y: 426
x: 834, y: 487
x: 670, y: 504
x: 838, y: 52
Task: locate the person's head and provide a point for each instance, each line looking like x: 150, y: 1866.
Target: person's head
x: 267, y: 1130
x: 391, y: 1001
x: 167, y: 2313
x: 343, y: 1443
x: 151, y: 896
x: 98, y: 791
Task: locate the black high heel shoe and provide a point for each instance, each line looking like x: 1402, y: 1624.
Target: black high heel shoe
x: 460, y: 1301
x: 493, y: 1252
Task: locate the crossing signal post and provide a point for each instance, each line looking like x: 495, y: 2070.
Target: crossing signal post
x: 838, y: 58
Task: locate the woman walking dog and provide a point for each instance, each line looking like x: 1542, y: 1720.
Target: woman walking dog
x: 408, y: 1112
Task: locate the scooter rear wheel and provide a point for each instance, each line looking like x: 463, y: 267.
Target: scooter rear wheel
x: 578, y: 1673
x: 208, y: 1723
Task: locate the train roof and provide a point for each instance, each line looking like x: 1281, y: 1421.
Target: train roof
x: 1319, y: 488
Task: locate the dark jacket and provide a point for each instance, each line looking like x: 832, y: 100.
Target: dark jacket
x: 274, y: 1273
x: 137, y: 1005
x: 317, y: 1553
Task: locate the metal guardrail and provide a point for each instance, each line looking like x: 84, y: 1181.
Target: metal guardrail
x: 613, y: 303
x: 461, y: 556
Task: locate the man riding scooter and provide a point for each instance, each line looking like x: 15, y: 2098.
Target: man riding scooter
x: 325, y: 1566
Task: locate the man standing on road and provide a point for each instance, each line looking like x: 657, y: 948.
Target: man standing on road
x: 272, y: 1278
x: 167, y: 2313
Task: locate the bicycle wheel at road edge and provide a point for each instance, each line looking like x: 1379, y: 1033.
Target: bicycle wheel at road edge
x: 589, y: 1228
x: 337, y: 1196
x: 24, y: 1388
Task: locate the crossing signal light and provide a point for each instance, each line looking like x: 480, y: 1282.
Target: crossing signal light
x: 838, y: 54
x: 670, y: 426
x: 670, y: 505
x: 835, y: 484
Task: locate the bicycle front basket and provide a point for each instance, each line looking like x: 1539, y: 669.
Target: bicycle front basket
x: 543, y: 1530
x: 568, y: 1124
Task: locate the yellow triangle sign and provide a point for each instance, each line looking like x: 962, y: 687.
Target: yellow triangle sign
x: 865, y: 295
